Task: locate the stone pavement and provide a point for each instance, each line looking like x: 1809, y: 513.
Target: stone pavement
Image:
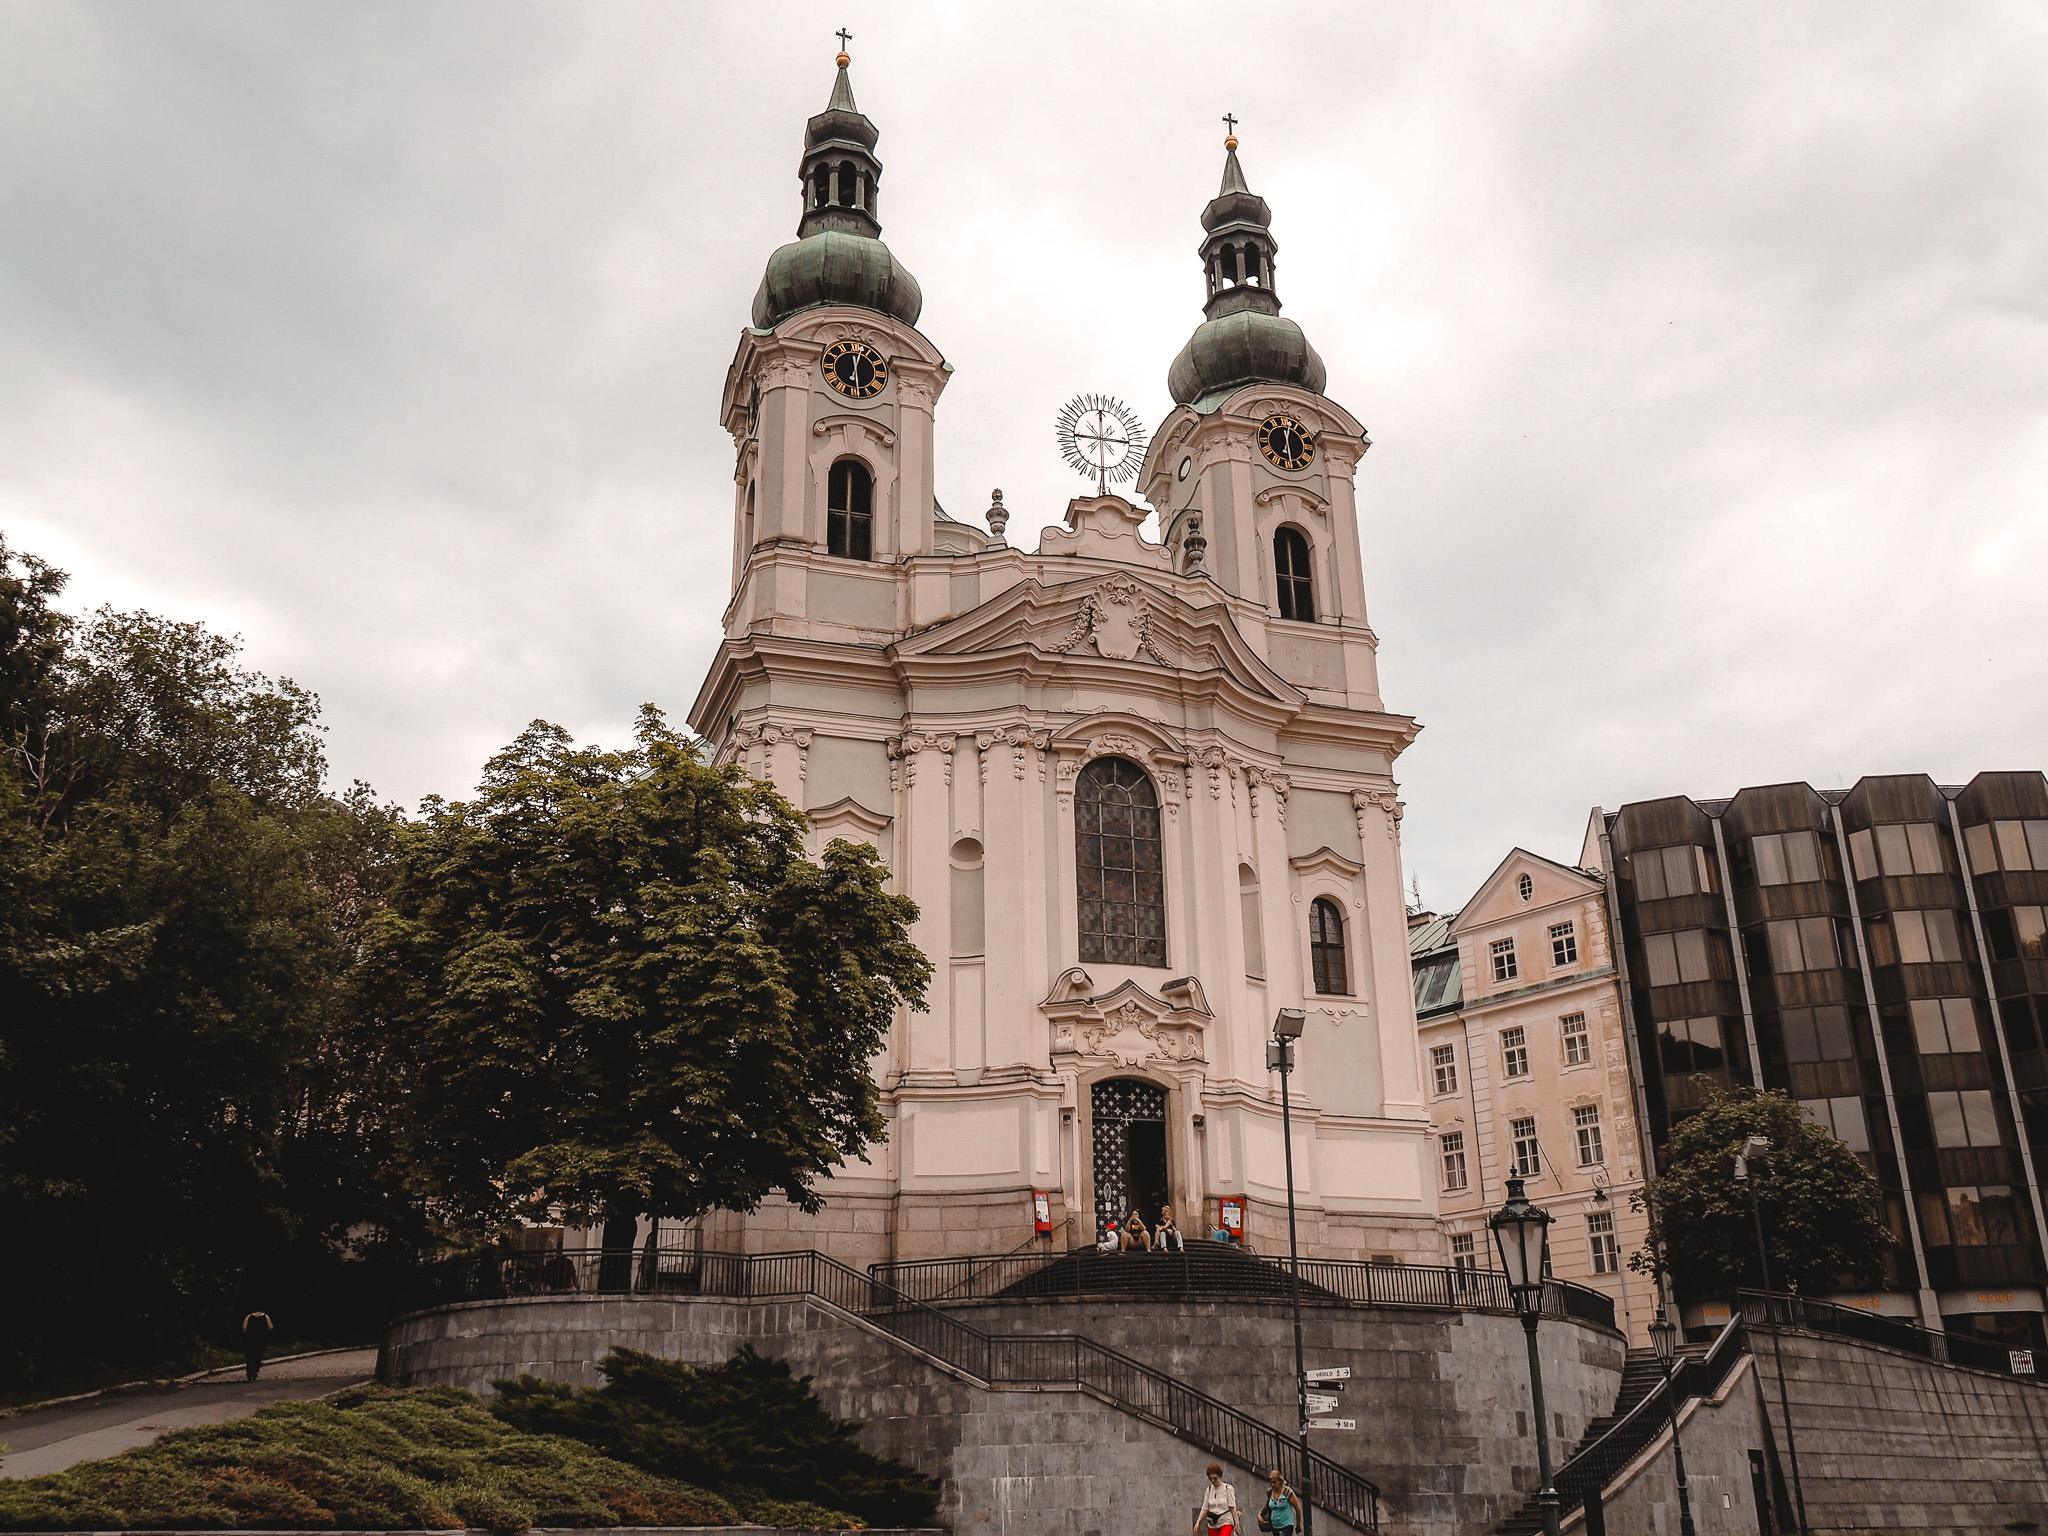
x: 56, y: 1438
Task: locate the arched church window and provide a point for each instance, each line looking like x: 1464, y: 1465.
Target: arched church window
x: 1292, y: 570
x: 1118, y: 865
x: 850, y: 511
x: 750, y: 516
x: 821, y: 188
x: 846, y: 183
x: 1326, y: 948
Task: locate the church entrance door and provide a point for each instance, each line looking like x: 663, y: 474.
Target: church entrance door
x: 1130, y: 1150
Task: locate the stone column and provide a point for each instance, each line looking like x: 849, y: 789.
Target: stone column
x: 924, y: 762
x: 1386, y: 935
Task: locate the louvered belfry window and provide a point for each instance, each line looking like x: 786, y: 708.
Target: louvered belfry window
x: 1118, y: 865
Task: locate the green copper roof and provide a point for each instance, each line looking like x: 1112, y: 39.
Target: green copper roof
x: 833, y: 267
x: 1246, y: 347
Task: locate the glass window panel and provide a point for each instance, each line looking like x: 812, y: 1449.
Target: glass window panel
x: 1678, y: 871
x: 1785, y: 953
x: 1960, y: 1014
x: 1649, y: 872
x: 1945, y: 1111
x: 1802, y: 856
x: 1850, y: 1127
x: 1933, y: 1219
x: 2037, y: 844
x: 1863, y: 853
x: 1944, y: 937
x: 1660, y: 955
x: 1911, y: 933
x: 1894, y: 852
x: 2030, y: 927
x: 2012, y: 845
x: 1802, y: 1040
x: 1817, y: 940
x: 1706, y: 872
x: 1980, y: 1117
x: 1120, y: 899
x: 1983, y: 848
x: 1930, y: 1031
x: 1769, y: 853
x: 1831, y: 1025
x: 1925, y: 843
x: 1692, y: 955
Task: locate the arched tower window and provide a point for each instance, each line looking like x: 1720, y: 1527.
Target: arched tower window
x: 850, y: 514
x: 1291, y: 568
x: 1118, y: 865
x: 1326, y: 948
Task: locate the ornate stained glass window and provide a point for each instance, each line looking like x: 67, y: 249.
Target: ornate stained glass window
x: 1326, y: 947
x: 1118, y: 865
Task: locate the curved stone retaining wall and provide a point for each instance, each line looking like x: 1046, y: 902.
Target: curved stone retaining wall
x: 1442, y: 1398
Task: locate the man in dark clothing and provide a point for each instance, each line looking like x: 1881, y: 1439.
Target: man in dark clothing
x: 256, y: 1330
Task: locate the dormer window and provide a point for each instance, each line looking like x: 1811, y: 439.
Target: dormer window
x: 849, y: 518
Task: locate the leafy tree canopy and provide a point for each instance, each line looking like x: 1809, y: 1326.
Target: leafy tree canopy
x: 619, y: 988
x: 1819, y: 1204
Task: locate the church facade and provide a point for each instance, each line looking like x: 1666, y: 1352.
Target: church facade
x: 1141, y: 792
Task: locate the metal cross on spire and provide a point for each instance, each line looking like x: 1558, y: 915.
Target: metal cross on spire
x: 844, y: 37
x: 1230, y: 125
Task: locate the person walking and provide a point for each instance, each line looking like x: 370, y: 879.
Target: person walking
x: 1219, y: 1514
x: 1281, y: 1510
x: 256, y: 1331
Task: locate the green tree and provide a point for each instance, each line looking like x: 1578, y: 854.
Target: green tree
x: 172, y: 959
x: 1819, y: 1204
x: 618, y: 988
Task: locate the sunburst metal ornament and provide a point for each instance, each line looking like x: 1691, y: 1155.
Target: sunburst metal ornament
x: 1101, y: 436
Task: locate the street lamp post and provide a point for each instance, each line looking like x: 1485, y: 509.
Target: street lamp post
x: 1521, y: 1233
x: 1760, y: 1146
x: 1664, y: 1335
x: 1287, y: 1027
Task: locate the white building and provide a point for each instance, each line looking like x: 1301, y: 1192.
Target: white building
x: 1526, y: 1066
x: 1140, y: 792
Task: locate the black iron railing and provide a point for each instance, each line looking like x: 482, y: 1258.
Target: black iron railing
x: 998, y: 1359
x: 1775, y: 1309
x: 1207, y: 1269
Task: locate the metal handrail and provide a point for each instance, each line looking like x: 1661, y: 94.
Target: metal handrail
x: 1778, y: 1309
x: 1203, y: 1271
x: 1007, y: 1359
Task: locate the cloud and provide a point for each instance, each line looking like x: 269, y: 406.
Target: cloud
x: 1702, y: 351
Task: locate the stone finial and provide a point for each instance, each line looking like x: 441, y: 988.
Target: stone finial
x: 1195, y: 546
x: 998, y: 516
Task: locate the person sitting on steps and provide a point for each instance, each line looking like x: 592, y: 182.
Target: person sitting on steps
x: 1136, y: 1235
x: 1110, y: 1242
x: 1166, y: 1236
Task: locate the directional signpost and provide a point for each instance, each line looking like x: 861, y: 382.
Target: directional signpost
x: 1318, y: 1389
x: 1333, y: 1423
x: 1329, y: 1373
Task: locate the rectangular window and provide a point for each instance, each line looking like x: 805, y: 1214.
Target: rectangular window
x: 1802, y: 944
x: 1452, y: 1145
x: 1528, y: 1158
x: 1920, y: 938
x: 1586, y: 1125
x: 1672, y: 958
x: 1899, y: 848
x: 1844, y: 1117
x: 1944, y: 1026
x: 1578, y: 1044
x: 1564, y: 944
x: 1963, y: 1119
x: 1504, y: 967
x: 1514, y: 1052
x: 1462, y: 1254
x: 2008, y: 845
x: 2017, y: 933
x: 1605, y: 1246
x: 1677, y: 871
x: 1786, y: 858
x: 1817, y: 1034
x: 1980, y: 1217
x: 1443, y: 1061
x: 1691, y: 1045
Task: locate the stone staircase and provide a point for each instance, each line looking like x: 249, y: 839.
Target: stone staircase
x: 1206, y: 1268
x: 1641, y: 1375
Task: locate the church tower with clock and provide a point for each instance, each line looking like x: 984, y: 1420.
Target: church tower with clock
x: 1140, y: 791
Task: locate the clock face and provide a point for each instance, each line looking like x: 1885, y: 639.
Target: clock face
x: 1288, y: 443
x: 855, y: 369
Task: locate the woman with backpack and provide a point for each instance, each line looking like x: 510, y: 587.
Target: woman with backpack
x: 1281, y: 1510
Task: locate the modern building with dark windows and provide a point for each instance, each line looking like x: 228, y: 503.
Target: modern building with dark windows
x: 1877, y: 952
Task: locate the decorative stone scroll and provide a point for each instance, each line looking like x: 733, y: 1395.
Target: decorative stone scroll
x: 904, y: 749
x: 1382, y: 800
x: 768, y: 733
x: 1127, y: 1025
x: 1116, y: 621
x: 1275, y: 784
x: 1022, y: 740
x: 1163, y: 766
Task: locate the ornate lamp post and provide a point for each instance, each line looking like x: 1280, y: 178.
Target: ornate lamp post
x: 1287, y: 1026
x: 1521, y: 1233
x: 1664, y: 1336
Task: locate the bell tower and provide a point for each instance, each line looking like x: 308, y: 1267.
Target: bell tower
x: 1253, y: 471
x: 829, y: 401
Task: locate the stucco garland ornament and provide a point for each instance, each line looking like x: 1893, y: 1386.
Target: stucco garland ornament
x: 1115, y: 618
x: 1131, y: 1035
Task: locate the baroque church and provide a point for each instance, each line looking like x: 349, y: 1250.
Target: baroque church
x: 1141, y: 792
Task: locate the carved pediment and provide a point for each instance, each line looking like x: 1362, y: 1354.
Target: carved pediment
x: 1127, y: 1024
x: 1114, y: 617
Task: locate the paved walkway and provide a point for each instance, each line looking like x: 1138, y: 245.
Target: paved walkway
x: 57, y: 1438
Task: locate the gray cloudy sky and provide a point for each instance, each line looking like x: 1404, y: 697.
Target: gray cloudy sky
x: 1702, y: 346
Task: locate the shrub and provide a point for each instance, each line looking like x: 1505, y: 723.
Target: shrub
x: 370, y: 1458
x: 741, y: 1428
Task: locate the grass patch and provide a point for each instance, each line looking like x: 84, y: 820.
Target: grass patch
x: 369, y: 1458
x: 743, y: 1428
